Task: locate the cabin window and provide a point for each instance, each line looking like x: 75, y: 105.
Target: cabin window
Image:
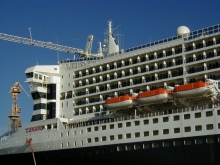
x: 61, y: 145
x: 69, y: 95
x: 137, y: 134
x: 209, y: 126
x: 210, y: 140
x: 81, y: 131
x: 198, y: 128
x: 74, y: 143
x: 176, y: 118
x: 198, y: 115
x: 89, y: 140
x: 198, y: 141
x: 35, y: 76
x: 187, y: 129
x: 39, y: 106
x: 29, y: 75
x: 38, y: 95
x: 176, y: 143
x: 155, y: 145
x: 96, y: 128
x: 187, y: 142
x: 218, y: 112
x: 146, y: 133
x: 103, y: 138
x: 209, y: 113
x: 137, y: 147
x: 89, y: 129
x: 119, y: 125
x: 166, y: 144
x: 128, y: 124
x: 176, y: 130
x: 119, y: 148
x: 111, y: 126
x: 146, y: 146
x: 61, y: 134
x: 155, y: 132
x: 146, y: 122
x: 155, y: 120
x: 127, y: 148
x: 187, y: 116
x: 166, y: 131
x: 120, y: 136
x: 128, y: 135
x: 136, y: 123
x: 96, y: 139
x: 165, y: 119
x: 104, y: 127
x: 111, y: 137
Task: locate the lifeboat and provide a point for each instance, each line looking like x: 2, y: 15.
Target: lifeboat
x: 154, y: 96
x: 121, y: 102
x: 199, y: 88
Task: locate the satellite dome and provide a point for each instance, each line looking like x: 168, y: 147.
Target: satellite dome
x: 182, y: 30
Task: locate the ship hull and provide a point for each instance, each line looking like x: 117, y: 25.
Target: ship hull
x: 203, y: 154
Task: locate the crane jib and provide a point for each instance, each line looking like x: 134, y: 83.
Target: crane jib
x: 37, y: 43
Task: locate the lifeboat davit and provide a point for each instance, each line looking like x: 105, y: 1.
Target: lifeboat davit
x: 121, y: 102
x: 154, y: 96
x: 199, y: 88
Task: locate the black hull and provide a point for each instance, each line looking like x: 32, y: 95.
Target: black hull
x: 202, y: 154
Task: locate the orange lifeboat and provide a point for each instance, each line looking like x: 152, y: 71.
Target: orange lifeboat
x: 199, y: 88
x: 154, y: 96
x: 121, y: 102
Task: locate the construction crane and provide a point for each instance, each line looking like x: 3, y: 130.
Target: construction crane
x: 50, y: 45
x: 14, y: 118
x: 87, y: 53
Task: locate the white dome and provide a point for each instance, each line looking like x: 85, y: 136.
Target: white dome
x: 182, y: 30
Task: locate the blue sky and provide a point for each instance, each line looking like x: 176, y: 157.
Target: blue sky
x: 71, y: 21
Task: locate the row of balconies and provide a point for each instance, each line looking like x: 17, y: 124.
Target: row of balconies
x: 202, y: 44
x: 90, y: 109
x: 150, y: 67
x: 131, y: 82
x: 142, y: 79
x: 142, y: 69
x: 102, y: 97
x: 94, y: 70
x: 203, y: 56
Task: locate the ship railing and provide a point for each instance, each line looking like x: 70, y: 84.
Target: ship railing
x: 198, y: 108
x: 80, y: 62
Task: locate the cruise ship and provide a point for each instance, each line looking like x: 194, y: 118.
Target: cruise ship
x: 154, y: 104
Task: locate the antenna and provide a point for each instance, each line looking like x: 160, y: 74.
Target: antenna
x: 58, y: 55
x: 30, y: 34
